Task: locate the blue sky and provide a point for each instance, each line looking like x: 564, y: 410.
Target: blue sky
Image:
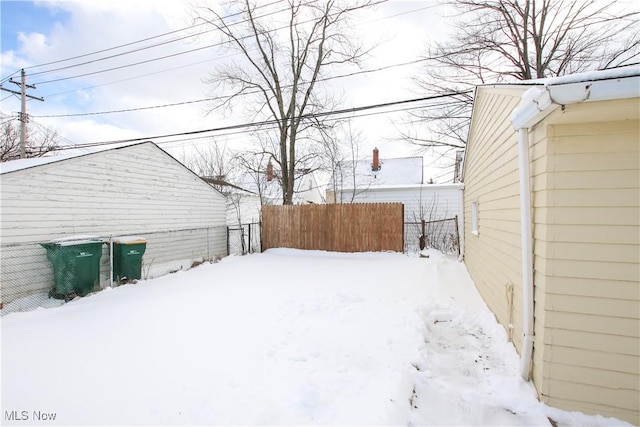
x: 26, y: 17
x: 75, y: 105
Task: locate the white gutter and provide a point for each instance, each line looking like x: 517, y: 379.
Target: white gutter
x: 535, y: 105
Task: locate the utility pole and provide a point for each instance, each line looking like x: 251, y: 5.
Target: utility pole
x: 24, y: 118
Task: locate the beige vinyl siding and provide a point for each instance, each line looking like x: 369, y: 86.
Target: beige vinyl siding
x: 491, y: 179
x: 589, y: 218
x: 585, y: 177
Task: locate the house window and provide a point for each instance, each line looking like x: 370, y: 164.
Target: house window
x: 474, y: 218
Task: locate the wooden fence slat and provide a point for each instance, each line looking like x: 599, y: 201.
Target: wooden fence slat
x: 360, y: 227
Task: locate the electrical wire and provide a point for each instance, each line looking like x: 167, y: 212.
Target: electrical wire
x: 172, y: 32
x: 131, y: 43
x: 171, y: 55
x: 134, y: 78
x: 333, y: 119
x: 157, y: 44
x: 166, y: 56
x: 386, y: 67
x: 250, y: 125
x: 9, y: 76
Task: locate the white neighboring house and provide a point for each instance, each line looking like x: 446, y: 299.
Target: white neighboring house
x: 133, y: 190
x: 397, y: 180
x: 256, y: 189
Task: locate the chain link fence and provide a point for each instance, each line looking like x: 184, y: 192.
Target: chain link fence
x: 27, y: 276
x: 244, y: 238
x: 441, y: 235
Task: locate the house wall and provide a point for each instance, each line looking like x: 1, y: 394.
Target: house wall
x: 434, y: 201
x: 587, y: 231
x: 242, y: 209
x: 493, y: 255
x: 137, y: 190
x: 309, y: 191
x: 428, y: 202
x: 585, y: 196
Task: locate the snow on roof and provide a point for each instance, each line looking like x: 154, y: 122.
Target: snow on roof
x: 396, y: 171
x: 538, y: 102
x: 615, y: 73
x: 19, y: 164
x: 271, y: 191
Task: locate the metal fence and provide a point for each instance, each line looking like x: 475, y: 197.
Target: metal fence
x: 26, y: 275
x: 244, y: 238
x: 441, y: 234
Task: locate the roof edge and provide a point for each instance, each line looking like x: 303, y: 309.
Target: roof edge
x: 537, y: 103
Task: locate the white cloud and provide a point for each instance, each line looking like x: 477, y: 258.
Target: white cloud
x: 87, y: 26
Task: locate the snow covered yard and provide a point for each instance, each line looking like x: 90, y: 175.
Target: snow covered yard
x: 285, y: 337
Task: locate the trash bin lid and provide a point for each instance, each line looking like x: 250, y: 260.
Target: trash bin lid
x: 129, y: 240
x: 75, y: 240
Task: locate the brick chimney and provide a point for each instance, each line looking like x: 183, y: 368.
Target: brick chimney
x: 269, y: 171
x: 375, y: 166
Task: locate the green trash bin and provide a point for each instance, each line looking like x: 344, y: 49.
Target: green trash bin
x: 76, y: 267
x: 127, y: 258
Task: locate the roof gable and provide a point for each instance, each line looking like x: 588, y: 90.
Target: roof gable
x: 17, y: 166
x: 395, y: 171
x: 55, y: 156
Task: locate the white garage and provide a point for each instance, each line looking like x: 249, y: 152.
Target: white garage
x: 133, y: 190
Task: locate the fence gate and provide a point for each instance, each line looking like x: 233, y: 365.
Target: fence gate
x: 440, y: 234
x: 244, y: 239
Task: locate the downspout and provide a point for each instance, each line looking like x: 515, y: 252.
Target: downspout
x: 526, y: 352
x: 535, y: 105
x: 461, y: 223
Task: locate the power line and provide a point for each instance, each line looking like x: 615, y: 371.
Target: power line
x: 167, y: 56
x: 128, y: 44
x: 273, y: 127
x: 155, y: 45
x: 386, y: 67
x: 136, y: 77
x: 9, y: 76
x: 178, y: 53
x: 275, y: 121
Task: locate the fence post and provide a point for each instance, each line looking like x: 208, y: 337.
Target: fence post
x: 227, y: 241
x: 249, y: 250
x: 243, y: 249
x: 457, y: 234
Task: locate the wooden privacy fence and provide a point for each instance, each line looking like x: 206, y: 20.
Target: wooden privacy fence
x: 361, y: 227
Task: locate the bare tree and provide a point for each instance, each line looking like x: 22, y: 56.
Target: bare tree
x: 495, y: 41
x: 39, y: 140
x: 216, y: 163
x: 284, y: 57
x: 341, y: 158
